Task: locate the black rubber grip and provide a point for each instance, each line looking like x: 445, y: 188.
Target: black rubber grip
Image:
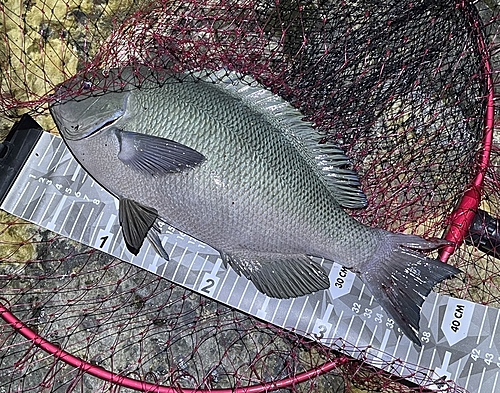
x: 15, y: 150
x: 484, y: 233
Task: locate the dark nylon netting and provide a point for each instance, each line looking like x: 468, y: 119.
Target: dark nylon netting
x: 399, y: 85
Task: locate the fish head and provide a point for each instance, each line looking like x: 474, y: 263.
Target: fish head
x: 83, y: 106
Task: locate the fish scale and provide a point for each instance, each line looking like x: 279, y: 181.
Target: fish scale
x: 234, y: 166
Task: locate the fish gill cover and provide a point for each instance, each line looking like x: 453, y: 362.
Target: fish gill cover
x: 399, y: 85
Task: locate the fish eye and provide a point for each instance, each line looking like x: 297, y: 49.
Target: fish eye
x: 86, y: 85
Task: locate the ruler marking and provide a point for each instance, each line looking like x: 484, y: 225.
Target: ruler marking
x: 360, y: 333
x: 76, y: 220
x: 98, y: 222
x: 167, y: 262
x: 434, y: 305
x: 261, y: 312
x: 30, y: 218
x: 52, y: 223
x: 51, y: 167
x: 20, y: 196
x: 459, y: 365
x: 308, y: 329
x: 383, y: 344
x: 202, y: 269
x: 361, y: 292
x: 276, y: 309
x: 494, y: 383
x: 190, y: 268
x: 75, y: 173
x: 224, y: 279
x: 288, y: 312
x: 338, y: 324
x: 432, y: 359
x: 86, y: 224
x: 481, y: 380
x: 47, y: 148
x: 231, y: 291
x: 468, y: 376
x: 243, y: 293
x: 67, y: 215
x: 301, y: 314
x: 252, y: 303
x: 117, y: 238
x: 65, y: 173
x: 398, y: 340
x: 421, y: 352
x: 47, y: 207
x: 179, y: 263
x: 350, y: 324
x: 373, y: 335
x: 29, y: 201
x: 485, y: 313
x: 405, y: 362
x: 494, y: 329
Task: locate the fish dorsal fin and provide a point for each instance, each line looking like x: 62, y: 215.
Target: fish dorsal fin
x: 328, y: 160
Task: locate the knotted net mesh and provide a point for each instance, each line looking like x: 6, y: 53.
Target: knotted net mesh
x: 401, y: 86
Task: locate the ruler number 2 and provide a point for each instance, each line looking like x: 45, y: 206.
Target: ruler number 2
x: 208, y: 284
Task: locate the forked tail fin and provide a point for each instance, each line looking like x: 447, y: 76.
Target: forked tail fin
x: 400, y: 277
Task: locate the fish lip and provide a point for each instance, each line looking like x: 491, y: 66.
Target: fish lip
x: 75, y: 132
x: 74, y: 135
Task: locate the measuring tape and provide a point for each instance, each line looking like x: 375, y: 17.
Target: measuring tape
x: 42, y: 183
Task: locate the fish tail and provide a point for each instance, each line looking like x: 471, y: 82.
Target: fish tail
x: 400, y: 277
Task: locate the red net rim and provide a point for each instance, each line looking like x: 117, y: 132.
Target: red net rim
x: 460, y: 221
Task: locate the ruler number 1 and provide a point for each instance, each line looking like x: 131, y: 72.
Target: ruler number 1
x: 103, y: 241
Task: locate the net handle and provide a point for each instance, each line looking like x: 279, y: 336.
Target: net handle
x: 463, y: 216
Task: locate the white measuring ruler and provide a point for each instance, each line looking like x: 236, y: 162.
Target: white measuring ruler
x: 460, y: 339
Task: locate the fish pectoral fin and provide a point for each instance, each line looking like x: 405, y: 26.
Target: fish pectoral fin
x: 280, y: 276
x: 155, y: 155
x: 400, y: 278
x: 136, y: 221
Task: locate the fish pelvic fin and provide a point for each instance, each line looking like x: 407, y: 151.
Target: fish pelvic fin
x: 280, y: 276
x: 136, y: 221
x: 400, y: 277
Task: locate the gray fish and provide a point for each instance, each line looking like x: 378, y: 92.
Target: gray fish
x: 236, y: 167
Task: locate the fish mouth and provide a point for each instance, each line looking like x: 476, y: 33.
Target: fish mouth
x: 78, y: 118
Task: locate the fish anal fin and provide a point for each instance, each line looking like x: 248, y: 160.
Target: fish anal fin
x: 154, y: 155
x: 400, y: 278
x: 280, y: 276
x: 136, y: 221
